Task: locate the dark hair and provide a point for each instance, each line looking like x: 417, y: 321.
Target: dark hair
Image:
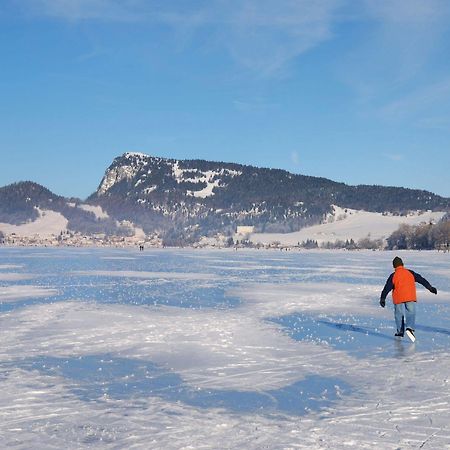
x: 397, y: 262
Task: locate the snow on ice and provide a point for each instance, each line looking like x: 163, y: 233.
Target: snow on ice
x: 189, y: 349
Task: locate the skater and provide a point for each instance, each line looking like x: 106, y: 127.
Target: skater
x: 402, y: 283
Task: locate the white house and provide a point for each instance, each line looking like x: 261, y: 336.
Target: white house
x: 243, y: 230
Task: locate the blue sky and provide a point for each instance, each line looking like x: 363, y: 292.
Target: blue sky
x: 352, y: 90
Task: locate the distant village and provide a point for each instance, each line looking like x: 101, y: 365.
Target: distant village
x: 71, y: 239
x: 74, y: 239
x: 241, y: 239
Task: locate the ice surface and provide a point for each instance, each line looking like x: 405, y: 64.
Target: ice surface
x: 218, y: 349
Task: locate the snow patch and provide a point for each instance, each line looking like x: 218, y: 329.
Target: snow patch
x: 149, y: 190
x: 11, y: 276
x: 177, y: 172
x: 99, y: 212
x: 208, y: 178
x: 212, y: 180
x: 135, y: 155
x: 48, y: 224
x: 21, y: 292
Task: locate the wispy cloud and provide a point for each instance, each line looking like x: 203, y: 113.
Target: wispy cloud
x: 418, y: 100
x: 80, y: 10
x: 441, y: 123
x: 412, y: 11
x: 260, y: 35
x: 95, y: 52
x: 409, y: 33
x: 394, y: 156
x: 265, y: 35
x: 253, y: 105
x: 295, y: 158
x: 392, y: 68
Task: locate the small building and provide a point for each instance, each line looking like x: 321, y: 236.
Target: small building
x: 243, y: 230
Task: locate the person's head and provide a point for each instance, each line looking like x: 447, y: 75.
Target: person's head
x: 397, y: 262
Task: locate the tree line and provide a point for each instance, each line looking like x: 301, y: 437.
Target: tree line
x: 421, y: 237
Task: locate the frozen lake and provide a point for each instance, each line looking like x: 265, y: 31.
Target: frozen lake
x: 198, y: 349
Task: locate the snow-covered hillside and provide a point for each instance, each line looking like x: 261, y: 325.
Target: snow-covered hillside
x: 345, y: 224
x: 47, y: 224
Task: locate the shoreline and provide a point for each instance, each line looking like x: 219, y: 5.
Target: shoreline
x: 221, y: 248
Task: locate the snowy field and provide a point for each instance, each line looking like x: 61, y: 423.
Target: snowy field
x: 200, y: 349
x: 345, y: 224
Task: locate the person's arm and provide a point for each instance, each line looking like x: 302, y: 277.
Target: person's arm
x: 387, y: 288
x: 425, y: 283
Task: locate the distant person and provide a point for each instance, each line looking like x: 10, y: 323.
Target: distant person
x: 402, y: 283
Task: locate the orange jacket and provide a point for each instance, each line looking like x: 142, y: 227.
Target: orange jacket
x: 402, y: 283
x: 404, y: 286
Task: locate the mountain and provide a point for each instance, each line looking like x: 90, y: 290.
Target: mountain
x: 18, y: 202
x: 26, y: 201
x: 185, y: 199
